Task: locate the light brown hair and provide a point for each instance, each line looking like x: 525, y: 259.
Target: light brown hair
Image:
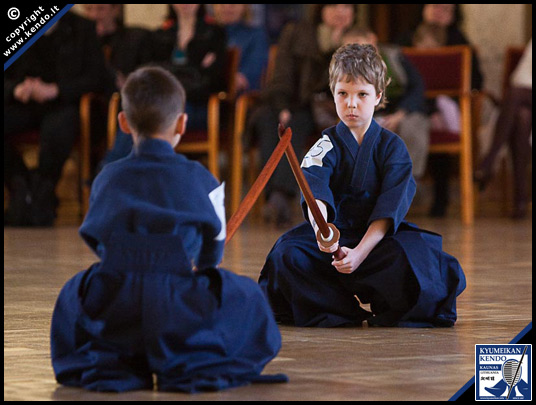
x: 354, y: 61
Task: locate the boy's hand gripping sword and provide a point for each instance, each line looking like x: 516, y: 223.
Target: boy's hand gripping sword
x: 327, y: 234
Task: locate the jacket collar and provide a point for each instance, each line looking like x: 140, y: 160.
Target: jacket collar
x: 153, y: 147
x: 365, y: 153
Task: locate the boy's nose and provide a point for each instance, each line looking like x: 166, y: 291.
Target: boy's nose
x: 352, y: 102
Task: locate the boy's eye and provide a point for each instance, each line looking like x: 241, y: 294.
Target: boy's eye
x: 363, y: 94
x: 342, y: 93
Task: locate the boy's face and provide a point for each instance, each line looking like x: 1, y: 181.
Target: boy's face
x: 355, y: 102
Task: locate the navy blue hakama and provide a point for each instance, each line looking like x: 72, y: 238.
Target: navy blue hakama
x: 407, y: 278
x: 142, y: 313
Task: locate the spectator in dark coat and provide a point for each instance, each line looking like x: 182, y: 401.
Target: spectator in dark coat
x: 42, y: 90
x: 125, y: 49
x: 193, y: 49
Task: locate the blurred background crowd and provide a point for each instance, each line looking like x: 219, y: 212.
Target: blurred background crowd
x: 282, y: 55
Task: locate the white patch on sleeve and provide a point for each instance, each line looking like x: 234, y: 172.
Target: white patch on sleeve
x: 317, y: 153
x: 217, y: 197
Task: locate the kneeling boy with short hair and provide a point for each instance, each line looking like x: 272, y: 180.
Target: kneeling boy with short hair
x: 156, y: 303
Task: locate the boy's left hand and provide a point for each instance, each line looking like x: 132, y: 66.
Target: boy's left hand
x: 350, y: 262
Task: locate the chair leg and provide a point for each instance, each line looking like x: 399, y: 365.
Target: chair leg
x: 213, y: 129
x: 241, y: 109
x: 466, y: 164
x: 85, y: 177
x: 236, y: 175
x: 467, y: 190
x: 85, y: 153
x: 213, y: 162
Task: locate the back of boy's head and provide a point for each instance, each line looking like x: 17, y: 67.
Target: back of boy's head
x: 152, y: 99
x: 353, y: 61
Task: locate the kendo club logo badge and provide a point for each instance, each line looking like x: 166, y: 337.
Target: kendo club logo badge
x: 315, y: 156
x: 503, y: 372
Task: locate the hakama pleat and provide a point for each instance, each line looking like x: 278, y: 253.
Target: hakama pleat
x: 142, y: 313
x: 407, y: 280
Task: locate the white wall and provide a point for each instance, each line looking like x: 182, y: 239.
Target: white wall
x: 492, y: 28
x: 149, y: 16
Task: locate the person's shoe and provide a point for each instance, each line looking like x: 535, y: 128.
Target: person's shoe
x: 20, y: 202
x: 438, y: 210
x: 43, y: 212
x: 481, y: 179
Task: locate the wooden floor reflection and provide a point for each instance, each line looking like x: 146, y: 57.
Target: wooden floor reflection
x: 322, y: 364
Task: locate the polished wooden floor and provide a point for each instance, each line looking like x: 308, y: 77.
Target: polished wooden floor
x: 322, y: 364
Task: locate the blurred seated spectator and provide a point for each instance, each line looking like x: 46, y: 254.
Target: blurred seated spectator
x: 300, y: 80
x: 125, y: 49
x: 276, y: 16
x: 405, y: 113
x: 514, y: 128
x: 252, y: 42
x: 194, y: 51
x: 446, y: 21
x: 42, y: 90
x: 445, y: 114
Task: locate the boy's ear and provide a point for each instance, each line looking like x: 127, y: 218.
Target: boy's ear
x: 123, y: 123
x: 181, y: 124
x: 378, y: 98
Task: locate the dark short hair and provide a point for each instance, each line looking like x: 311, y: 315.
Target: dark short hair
x: 152, y: 98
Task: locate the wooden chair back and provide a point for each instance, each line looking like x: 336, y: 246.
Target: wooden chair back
x: 447, y: 71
